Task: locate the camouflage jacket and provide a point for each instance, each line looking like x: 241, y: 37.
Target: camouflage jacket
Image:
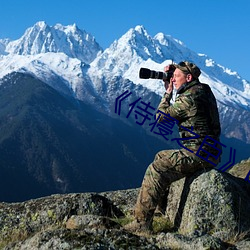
x: 196, y: 110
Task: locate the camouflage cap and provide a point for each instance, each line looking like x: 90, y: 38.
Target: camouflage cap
x: 189, y: 68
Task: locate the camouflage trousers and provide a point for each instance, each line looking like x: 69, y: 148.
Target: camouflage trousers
x: 167, y: 167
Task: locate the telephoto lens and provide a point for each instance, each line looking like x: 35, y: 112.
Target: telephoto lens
x: 145, y: 73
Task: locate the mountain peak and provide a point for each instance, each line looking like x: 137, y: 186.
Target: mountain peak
x: 41, y: 24
x: 138, y: 31
x: 169, y: 41
x: 141, y: 29
x: 42, y: 38
x: 69, y: 28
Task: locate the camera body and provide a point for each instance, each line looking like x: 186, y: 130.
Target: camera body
x: 146, y: 73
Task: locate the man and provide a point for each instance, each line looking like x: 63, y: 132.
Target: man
x: 195, y: 111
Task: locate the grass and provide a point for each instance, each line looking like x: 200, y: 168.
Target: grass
x: 123, y: 220
x: 162, y: 224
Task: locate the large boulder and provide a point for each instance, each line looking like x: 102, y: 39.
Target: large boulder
x: 211, y: 203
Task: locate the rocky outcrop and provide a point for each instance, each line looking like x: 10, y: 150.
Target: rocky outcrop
x: 207, y: 211
x: 212, y: 203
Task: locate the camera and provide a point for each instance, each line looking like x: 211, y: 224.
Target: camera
x: 145, y: 73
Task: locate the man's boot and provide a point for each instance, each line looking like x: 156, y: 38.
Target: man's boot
x: 139, y: 226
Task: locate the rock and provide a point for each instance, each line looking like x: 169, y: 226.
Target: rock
x: 124, y: 199
x: 178, y: 241
x: 243, y: 245
x: 212, y: 203
x: 20, y: 220
x: 90, y: 221
x: 209, y: 210
x: 85, y: 239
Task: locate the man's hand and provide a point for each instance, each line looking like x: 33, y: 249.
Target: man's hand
x: 168, y: 85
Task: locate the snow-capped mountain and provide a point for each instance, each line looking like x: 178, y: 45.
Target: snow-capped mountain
x: 57, y: 55
x: 137, y: 49
x: 64, y: 73
x: 71, y: 61
x: 41, y: 38
x: 74, y: 56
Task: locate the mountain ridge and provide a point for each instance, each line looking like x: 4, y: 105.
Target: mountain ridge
x: 124, y: 57
x: 42, y: 38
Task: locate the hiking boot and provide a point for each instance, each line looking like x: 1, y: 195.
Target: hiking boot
x: 137, y: 226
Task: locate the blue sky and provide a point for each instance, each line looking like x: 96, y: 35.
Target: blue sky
x: 218, y: 28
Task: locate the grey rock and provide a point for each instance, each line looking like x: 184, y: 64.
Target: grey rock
x: 212, y: 203
x: 94, y: 239
x: 178, y: 241
x: 243, y: 245
x: 20, y: 220
x: 90, y: 221
x: 124, y: 199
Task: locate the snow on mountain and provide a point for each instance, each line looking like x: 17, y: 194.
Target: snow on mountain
x: 72, y: 55
x: 63, y: 73
x: 44, y: 66
x: 3, y: 43
x: 57, y: 55
x: 42, y: 38
x: 137, y: 49
x: 130, y: 51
